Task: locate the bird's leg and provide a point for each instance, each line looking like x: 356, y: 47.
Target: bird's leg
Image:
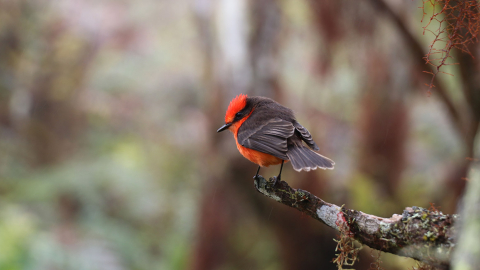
x: 279, y: 175
x: 256, y: 175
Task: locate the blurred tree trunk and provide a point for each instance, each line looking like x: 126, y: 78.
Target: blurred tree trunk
x: 467, y: 253
x: 11, y: 53
x: 264, y: 46
x: 40, y: 98
x: 470, y: 73
x: 384, y: 129
x: 56, y: 118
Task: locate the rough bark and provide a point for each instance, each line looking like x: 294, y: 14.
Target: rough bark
x: 418, y: 233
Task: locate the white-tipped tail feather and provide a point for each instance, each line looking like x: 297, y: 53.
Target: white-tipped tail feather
x: 302, y: 158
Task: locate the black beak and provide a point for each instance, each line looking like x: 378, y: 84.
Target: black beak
x: 224, y: 127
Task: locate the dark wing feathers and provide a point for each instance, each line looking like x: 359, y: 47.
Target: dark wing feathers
x: 305, y: 159
x: 305, y: 135
x: 270, y: 138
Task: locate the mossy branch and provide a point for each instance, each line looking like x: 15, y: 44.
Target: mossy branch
x: 418, y: 233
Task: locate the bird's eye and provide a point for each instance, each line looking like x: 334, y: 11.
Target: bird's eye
x: 239, y: 114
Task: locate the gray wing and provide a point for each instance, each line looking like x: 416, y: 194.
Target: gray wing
x: 305, y: 135
x: 270, y: 137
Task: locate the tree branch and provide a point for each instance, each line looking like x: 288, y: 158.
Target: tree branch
x: 416, y: 49
x: 426, y: 236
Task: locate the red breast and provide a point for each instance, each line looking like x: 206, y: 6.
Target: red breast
x: 259, y: 158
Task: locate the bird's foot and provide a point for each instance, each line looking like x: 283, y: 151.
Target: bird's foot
x: 256, y: 180
x: 276, y: 179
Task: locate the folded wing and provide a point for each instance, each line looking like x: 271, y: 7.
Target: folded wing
x: 270, y: 137
x: 305, y: 135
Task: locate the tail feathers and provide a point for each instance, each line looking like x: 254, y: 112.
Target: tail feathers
x: 305, y: 159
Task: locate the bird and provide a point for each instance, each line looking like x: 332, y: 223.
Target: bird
x: 267, y: 133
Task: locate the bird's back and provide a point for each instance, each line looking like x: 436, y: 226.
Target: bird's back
x: 266, y: 109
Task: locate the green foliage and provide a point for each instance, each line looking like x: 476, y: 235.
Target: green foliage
x: 17, y: 226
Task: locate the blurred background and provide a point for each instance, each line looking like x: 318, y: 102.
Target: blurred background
x: 109, y: 156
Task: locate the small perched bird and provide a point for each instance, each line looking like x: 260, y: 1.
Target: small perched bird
x: 267, y: 134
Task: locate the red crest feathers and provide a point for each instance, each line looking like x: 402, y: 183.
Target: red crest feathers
x: 236, y: 105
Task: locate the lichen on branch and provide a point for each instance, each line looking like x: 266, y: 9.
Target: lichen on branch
x: 425, y: 235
